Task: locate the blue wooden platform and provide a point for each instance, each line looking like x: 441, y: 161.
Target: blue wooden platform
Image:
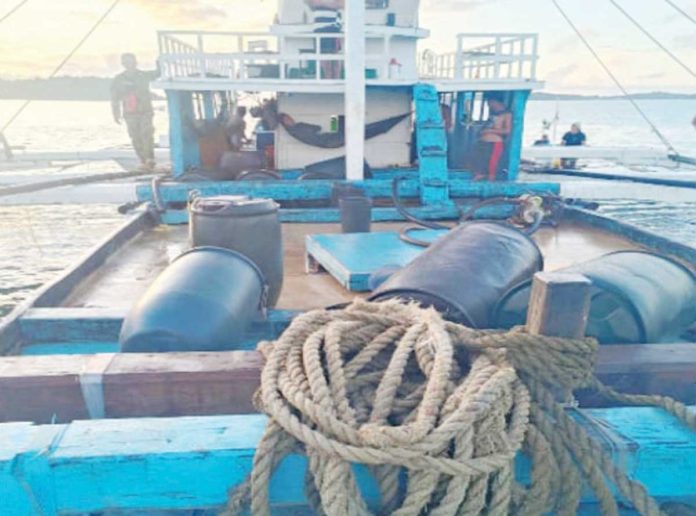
x: 189, y: 463
x: 352, y: 258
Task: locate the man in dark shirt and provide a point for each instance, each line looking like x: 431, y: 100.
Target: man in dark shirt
x: 131, y: 101
x: 573, y: 138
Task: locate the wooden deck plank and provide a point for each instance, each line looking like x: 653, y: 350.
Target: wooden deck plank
x: 188, y: 463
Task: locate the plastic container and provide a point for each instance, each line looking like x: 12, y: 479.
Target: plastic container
x: 204, y: 301
x: 464, y: 273
x: 249, y: 226
x: 356, y: 214
x: 636, y: 297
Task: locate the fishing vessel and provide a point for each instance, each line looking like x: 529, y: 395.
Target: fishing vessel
x: 128, y: 383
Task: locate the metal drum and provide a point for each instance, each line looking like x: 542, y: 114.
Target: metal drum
x: 248, y: 226
x: 636, y: 297
x: 204, y: 301
x: 465, y: 273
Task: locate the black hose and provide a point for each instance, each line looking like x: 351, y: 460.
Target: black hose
x: 404, y: 212
x: 406, y: 237
x: 494, y: 201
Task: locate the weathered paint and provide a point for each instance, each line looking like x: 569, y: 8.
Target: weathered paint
x: 431, y: 145
x: 208, y: 105
x: 55, y: 331
x: 71, y: 325
x: 322, y: 189
x: 519, y: 105
x: 324, y: 215
x: 183, y: 141
x: 188, y: 463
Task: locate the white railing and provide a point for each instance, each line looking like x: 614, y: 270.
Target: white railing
x: 495, y: 57
x: 255, y: 55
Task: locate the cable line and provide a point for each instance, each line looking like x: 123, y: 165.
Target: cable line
x: 613, y: 77
x: 64, y: 61
x: 13, y: 10
x: 682, y: 11
x: 653, y: 38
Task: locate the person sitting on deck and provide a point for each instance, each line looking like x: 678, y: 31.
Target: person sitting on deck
x: 131, y: 101
x: 543, y: 141
x: 236, y: 129
x: 491, y: 144
x: 573, y: 138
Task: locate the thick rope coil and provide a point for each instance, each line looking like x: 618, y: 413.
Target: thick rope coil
x: 438, y: 412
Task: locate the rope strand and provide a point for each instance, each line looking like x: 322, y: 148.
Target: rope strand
x: 13, y: 10
x: 682, y: 11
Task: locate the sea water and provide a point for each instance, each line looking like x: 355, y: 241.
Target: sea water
x: 38, y: 242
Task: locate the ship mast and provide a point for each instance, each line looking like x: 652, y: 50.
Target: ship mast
x: 355, y: 88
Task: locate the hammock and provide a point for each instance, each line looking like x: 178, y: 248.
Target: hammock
x: 310, y: 134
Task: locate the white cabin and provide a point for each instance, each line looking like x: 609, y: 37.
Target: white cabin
x: 300, y: 60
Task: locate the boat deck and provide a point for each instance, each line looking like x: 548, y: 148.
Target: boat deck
x: 127, y: 274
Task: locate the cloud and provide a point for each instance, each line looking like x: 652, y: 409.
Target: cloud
x: 454, y: 5
x: 656, y: 75
x: 201, y: 12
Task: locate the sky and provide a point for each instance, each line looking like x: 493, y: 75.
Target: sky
x: 41, y: 33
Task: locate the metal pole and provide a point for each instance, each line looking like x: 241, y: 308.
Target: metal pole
x: 355, y: 89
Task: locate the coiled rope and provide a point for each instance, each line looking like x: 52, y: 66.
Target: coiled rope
x: 437, y: 411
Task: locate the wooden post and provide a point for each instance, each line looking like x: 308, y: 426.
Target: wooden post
x: 559, y: 305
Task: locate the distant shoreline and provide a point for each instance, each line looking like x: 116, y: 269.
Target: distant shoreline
x: 98, y: 89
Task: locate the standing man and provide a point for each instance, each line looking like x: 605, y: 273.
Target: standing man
x: 491, y: 144
x: 131, y: 101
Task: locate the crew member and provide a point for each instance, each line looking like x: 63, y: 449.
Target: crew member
x: 573, y: 138
x: 236, y: 129
x: 491, y: 145
x: 131, y: 101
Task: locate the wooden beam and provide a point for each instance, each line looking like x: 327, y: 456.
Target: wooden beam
x: 181, y: 384
x: 164, y: 464
x: 559, y: 305
x: 321, y: 189
x: 52, y: 387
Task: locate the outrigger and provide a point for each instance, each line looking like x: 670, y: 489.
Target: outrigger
x: 128, y: 383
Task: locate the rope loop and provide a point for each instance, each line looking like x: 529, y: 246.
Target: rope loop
x: 436, y: 411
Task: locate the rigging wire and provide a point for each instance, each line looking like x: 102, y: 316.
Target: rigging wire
x: 614, y: 78
x: 682, y: 11
x: 653, y: 38
x: 64, y: 61
x: 13, y: 10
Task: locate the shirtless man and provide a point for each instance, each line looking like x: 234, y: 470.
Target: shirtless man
x: 492, y: 139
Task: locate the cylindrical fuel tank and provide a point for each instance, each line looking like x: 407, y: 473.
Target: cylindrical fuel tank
x: 204, y: 301
x: 465, y: 273
x: 248, y: 226
x: 356, y: 214
x: 636, y: 297
x: 233, y: 163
